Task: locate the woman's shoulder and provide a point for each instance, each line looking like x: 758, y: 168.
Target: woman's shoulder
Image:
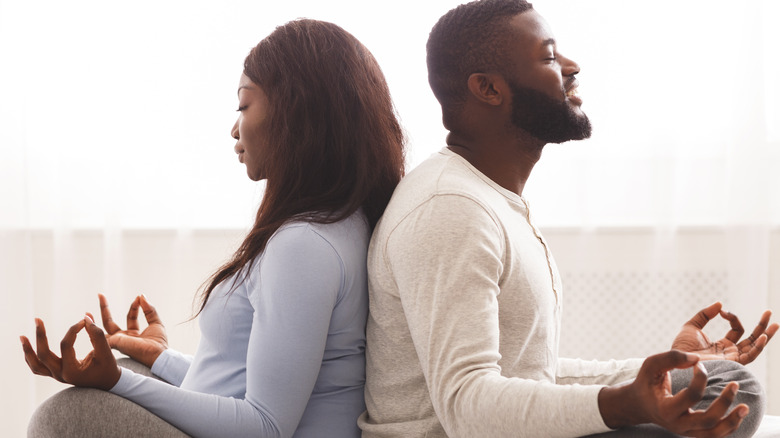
x: 303, y: 238
x: 351, y: 230
x: 330, y: 251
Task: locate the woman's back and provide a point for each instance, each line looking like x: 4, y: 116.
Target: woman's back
x: 307, y: 290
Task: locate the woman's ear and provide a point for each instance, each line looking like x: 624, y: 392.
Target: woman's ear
x: 488, y: 88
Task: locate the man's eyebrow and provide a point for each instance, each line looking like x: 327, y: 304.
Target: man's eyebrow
x: 548, y: 42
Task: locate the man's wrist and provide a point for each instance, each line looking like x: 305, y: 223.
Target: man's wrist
x: 617, y: 406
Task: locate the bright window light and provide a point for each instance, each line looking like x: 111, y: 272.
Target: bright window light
x: 118, y: 115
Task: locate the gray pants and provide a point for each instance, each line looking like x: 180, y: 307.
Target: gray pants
x: 84, y: 412
x: 720, y: 373
x: 87, y: 412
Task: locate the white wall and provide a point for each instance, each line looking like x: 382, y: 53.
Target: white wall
x: 773, y: 355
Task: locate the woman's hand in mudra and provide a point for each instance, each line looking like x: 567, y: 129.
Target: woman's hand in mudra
x: 97, y: 370
x: 143, y: 346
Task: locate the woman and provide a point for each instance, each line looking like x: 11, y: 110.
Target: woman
x: 282, y: 348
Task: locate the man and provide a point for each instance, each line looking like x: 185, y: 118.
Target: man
x: 465, y: 297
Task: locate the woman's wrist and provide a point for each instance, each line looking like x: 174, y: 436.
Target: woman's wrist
x: 151, y: 357
x: 112, y: 380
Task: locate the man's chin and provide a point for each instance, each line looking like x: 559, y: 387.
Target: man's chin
x: 577, y: 129
x: 547, y: 119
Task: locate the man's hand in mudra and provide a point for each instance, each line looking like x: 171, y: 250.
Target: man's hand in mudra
x: 693, y: 340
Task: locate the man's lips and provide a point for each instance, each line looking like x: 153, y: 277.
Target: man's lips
x: 571, y: 87
x: 572, y: 92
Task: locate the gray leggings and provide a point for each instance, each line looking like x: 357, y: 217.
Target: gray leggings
x: 720, y: 373
x: 87, y: 412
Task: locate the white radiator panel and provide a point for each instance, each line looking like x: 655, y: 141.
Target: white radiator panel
x: 627, y: 292
x: 617, y: 314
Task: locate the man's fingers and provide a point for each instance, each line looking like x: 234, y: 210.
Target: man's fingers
x: 725, y: 427
x: 753, y: 350
x: 66, y: 345
x: 713, y: 422
x: 771, y: 331
x: 752, y: 346
x: 705, y: 315
x: 150, y: 313
x: 736, y: 332
x: 660, y: 364
x: 132, y: 314
x: 721, y: 405
x: 732, y: 421
x: 105, y: 314
x: 692, y: 394
x: 97, y: 337
x: 761, y: 327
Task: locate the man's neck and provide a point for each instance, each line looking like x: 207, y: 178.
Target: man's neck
x: 508, y: 162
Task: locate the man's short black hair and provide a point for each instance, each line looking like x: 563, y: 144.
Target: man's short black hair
x: 472, y: 38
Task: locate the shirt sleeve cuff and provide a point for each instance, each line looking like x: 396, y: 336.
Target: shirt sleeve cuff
x: 172, y: 366
x: 591, y: 419
x: 124, y: 382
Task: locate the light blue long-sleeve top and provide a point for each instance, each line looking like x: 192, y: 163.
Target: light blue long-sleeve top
x: 284, y: 353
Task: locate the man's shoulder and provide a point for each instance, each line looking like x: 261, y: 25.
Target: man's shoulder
x: 441, y: 185
x: 444, y: 173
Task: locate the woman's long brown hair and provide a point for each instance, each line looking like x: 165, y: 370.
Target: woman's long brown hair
x: 334, y: 142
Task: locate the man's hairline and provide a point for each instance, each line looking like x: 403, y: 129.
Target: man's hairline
x: 456, y: 104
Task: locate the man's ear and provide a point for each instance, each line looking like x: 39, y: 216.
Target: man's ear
x: 488, y: 88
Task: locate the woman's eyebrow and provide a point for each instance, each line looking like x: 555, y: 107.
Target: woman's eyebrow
x: 247, y: 87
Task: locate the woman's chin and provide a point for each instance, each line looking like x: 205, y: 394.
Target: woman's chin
x: 254, y: 176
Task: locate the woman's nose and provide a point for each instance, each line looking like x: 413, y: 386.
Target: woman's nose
x: 234, y: 131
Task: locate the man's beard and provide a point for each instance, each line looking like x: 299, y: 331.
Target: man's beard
x: 545, y: 118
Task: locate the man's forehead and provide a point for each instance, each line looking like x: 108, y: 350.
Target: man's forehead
x: 531, y: 28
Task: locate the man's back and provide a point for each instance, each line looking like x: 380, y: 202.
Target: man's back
x: 465, y: 295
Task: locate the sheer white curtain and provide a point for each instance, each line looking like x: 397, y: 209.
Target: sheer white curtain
x: 685, y: 105
x: 114, y: 137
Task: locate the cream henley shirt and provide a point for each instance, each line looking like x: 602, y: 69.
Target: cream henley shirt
x: 464, y: 321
